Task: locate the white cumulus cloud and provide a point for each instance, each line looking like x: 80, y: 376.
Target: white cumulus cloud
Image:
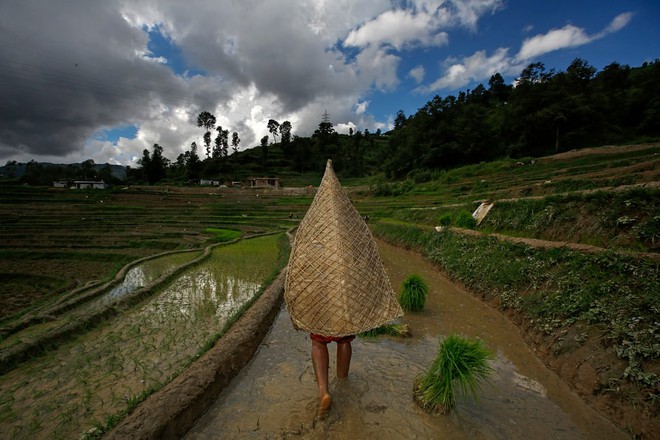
x: 417, y: 73
x: 568, y: 36
x: 473, y: 68
x: 479, y: 66
x: 619, y: 22
x: 399, y: 29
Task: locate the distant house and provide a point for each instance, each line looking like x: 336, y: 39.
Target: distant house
x: 213, y: 182
x: 61, y: 184
x: 90, y: 184
x: 263, y: 182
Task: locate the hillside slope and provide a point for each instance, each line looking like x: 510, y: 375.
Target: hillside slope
x: 575, y: 268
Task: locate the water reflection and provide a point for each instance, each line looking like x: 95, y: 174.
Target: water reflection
x: 134, y: 279
x: 205, y: 291
x: 96, y: 373
x: 143, y: 274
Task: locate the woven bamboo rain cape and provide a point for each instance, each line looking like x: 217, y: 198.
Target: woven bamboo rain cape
x: 336, y: 284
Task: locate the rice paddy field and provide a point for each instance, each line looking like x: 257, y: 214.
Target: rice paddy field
x: 54, y: 240
x: 108, y: 294
x: 90, y: 379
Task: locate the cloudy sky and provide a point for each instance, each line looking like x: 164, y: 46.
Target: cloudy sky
x: 105, y: 79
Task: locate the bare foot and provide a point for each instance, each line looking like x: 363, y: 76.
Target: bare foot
x: 324, y: 405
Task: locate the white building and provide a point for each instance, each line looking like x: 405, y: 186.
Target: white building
x: 90, y: 184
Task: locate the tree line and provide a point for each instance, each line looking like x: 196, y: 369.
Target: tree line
x: 543, y: 112
x: 153, y: 166
x: 546, y: 112
x: 44, y: 174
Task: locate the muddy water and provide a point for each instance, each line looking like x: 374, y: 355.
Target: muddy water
x: 275, y: 395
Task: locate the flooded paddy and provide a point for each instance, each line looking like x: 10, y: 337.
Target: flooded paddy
x: 275, y: 396
x: 136, y: 277
x: 88, y: 379
x: 145, y: 273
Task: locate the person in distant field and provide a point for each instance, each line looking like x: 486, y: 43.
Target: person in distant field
x: 321, y: 363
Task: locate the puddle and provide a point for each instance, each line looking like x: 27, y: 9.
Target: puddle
x: 275, y: 395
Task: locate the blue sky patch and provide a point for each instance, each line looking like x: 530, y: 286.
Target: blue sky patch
x: 112, y: 135
x: 160, y: 45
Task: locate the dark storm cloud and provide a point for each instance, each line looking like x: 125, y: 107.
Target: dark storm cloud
x: 268, y: 44
x: 70, y: 68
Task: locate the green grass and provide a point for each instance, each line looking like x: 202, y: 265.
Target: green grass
x: 465, y: 220
x: 400, y: 330
x: 413, y: 292
x: 283, y: 256
x: 503, y: 178
x: 221, y: 235
x: 460, y: 368
x: 623, y: 219
x: 146, y: 345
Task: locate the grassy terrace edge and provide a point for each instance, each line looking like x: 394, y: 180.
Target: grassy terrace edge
x: 560, y: 297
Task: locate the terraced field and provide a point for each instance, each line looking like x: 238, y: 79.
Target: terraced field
x: 63, y: 251
x: 609, y: 198
x: 55, y: 240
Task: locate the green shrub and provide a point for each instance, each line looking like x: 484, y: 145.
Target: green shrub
x: 401, y: 330
x: 421, y: 175
x: 650, y: 230
x: 412, y: 296
x: 445, y: 219
x: 462, y: 365
x: 392, y: 189
x: 465, y: 220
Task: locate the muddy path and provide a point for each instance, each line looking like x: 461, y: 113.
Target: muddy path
x: 274, y: 396
x: 539, y: 243
x: 607, y: 149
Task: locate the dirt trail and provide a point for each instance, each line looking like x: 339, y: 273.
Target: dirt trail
x: 607, y: 149
x: 535, y: 242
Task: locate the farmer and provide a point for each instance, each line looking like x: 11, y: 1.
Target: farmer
x: 336, y: 285
x: 321, y: 361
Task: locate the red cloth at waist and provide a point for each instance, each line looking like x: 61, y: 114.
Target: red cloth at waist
x: 327, y: 339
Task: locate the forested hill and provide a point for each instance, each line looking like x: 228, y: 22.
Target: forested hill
x: 546, y: 112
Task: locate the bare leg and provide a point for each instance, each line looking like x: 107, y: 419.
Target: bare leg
x: 344, y: 352
x: 320, y: 360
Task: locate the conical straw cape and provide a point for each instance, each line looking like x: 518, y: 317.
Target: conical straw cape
x: 336, y: 284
